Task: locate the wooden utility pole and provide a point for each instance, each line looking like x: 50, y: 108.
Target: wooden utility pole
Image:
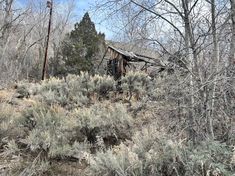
x: 49, y: 5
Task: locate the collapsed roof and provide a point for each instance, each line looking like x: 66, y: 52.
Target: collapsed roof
x: 134, y: 57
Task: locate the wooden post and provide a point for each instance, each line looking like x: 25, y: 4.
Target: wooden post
x: 49, y: 5
x: 121, y: 67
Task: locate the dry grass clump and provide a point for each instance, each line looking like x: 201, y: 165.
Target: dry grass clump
x: 5, y: 95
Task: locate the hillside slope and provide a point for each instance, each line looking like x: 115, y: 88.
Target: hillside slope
x: 84, y: 125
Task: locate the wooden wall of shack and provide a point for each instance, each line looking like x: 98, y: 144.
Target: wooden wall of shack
x: 120, y: 62
x: 117, y: 63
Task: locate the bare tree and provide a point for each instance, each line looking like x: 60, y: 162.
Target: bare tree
x: 22, y: 37
x: 190, y: 38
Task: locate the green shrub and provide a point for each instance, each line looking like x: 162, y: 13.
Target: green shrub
x: 54, y: 91
x: 103, y: 85
x: 74, y: 90
x: 7, y: 127
x: 61, y: 134
x: 22, y: 92
x: 88, y: 85
x: 6, y: 112
x: 160, y: 155
x: 15, y: 164
x: 10, y: 149
x: 152, y: 153
x: 80, y: 83
x: 25, y: 89
x: 104, y: 120
x: 135, y: 83
x: 119, y: 162
x: 50, y: 130
x: 209, y: 157
x: 78, y: 88
x: 104, y: 114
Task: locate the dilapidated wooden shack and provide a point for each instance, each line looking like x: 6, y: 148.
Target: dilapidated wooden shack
x: 120, y: 61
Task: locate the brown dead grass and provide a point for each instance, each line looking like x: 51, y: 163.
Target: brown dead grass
x: 6, y: 95
x: 62, y: 168
x: 24, y: 104
x: 8, y: 100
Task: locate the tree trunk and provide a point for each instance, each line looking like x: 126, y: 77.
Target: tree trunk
x: 232, y: 46
x: 189, y: 53
x: 229, y: 96
x: 7, y: 20
x: 214, y: 68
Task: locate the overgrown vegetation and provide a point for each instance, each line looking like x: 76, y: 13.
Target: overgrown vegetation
x: 152, y: 153
x: 168, y: 111
x: 47, y: 128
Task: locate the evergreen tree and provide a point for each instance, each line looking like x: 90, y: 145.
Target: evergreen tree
x: 81, y: 48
